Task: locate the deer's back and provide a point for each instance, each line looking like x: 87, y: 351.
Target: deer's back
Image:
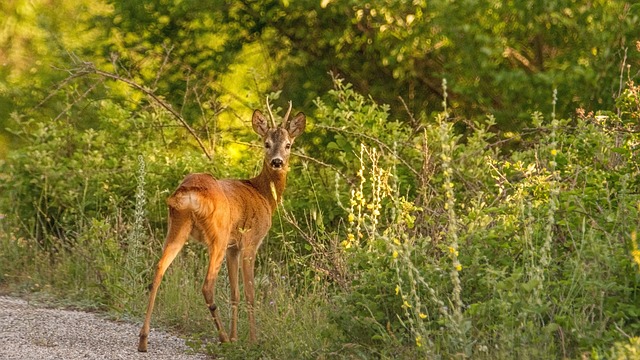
x: 233, y: 205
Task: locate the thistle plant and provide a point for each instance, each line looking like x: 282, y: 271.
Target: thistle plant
x: 137, y: 233
x: 635, y: 252
x: 412, y: 285
x: 139, y: 215
x: 357, y: 203
x: 545, y: 251
x: 452, y: 228
x: 364, y: 213
x: 415, y: 311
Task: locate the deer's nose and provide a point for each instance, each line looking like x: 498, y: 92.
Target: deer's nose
x: 277, y: 163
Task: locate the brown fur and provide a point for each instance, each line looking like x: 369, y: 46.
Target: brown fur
x: 229, y: 217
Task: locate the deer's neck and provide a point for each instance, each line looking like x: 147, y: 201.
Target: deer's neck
x: 271, y: 185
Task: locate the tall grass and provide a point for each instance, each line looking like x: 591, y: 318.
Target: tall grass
x: 480, y: 253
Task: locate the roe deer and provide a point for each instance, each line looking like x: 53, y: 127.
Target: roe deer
x: 229, y: 216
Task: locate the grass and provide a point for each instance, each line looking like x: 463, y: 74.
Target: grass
x: 531, y: 254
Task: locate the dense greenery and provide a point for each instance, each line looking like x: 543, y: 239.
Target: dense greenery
x: 468, y: 185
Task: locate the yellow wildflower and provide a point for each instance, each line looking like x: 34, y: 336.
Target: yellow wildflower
x: 636, y: 256
x: 635, y: 253
x: 422, y: 316
x: 397, y: 289
x: 395, y: 254
x: 554, y: 152
x: 453, y: 251
x: 418, y: 341
x: 458, y: 267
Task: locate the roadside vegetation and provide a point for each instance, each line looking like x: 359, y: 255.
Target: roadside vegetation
x: 415, y: 224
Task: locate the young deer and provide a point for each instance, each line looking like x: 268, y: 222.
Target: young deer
x: 229, y: 216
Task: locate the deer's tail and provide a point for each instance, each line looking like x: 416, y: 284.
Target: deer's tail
x: 192, y: 200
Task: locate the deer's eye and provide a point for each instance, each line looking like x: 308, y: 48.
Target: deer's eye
x: 287, y: 146
x: 267, y: 145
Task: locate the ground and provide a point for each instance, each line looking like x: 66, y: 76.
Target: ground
x: 28, y: 331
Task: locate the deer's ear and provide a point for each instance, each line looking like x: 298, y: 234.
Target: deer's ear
x: 296, y: 125
x: 259, y: 123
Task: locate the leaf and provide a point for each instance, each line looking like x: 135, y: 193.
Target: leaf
x: 332, y: 146
x: 530, y: 285
x: 619, y: 150
x: 551, y: 328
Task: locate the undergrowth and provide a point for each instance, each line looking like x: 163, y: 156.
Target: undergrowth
x: 393, y: 242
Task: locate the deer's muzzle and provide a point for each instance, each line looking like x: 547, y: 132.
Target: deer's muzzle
x: 277, y: 163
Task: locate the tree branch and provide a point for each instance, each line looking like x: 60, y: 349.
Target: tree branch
x: 89, y: 68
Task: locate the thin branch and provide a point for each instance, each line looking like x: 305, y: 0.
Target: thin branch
x: 306, y: 157
x: 319, y: 162
x: 82, y: 96
x: 371, y: 138
x: 414, y: 122
x: 168, y: 51
x: 89, y: 68
x: 622, y: 67
x: 58, y: 87
x: 329, y: 262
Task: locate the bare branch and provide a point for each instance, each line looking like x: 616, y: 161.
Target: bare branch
x: 306, y: 157
x: 377, y: 141
x: 58, y: 87
x: 328, y: 261
x: 168, y: 51
x: 89, y: 68
x: 322, y: 163
x: 82, y: 96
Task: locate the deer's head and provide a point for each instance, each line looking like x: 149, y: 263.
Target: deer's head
x: 278, y: 139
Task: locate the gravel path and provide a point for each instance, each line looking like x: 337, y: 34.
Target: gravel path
x: 29, y: 332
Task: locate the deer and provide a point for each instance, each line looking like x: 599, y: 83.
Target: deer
x: 229, y: 217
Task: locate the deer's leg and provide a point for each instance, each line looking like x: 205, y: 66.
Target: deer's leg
x: 248, y: 262
x: 216, y: 255
x: 179, y: 229
x: 233, y: 264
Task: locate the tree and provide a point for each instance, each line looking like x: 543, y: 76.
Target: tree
x: 499, y: 58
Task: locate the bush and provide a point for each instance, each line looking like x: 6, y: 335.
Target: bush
x: 517, y: 248
x: 395, y: 239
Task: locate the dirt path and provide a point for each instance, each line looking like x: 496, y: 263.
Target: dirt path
x: 31, y: 332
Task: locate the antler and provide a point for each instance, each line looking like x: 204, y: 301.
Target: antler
x: 273, y: 121
x: 286, y: 116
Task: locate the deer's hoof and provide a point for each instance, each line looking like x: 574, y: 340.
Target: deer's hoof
x: 224, y: 338
x: 142, y: 345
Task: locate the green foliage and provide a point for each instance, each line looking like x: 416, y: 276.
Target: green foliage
x: 624, y: 351
x: 499, y: 57
x: 446, y: 234
x: 446, y: 245
x: 538, y: 231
